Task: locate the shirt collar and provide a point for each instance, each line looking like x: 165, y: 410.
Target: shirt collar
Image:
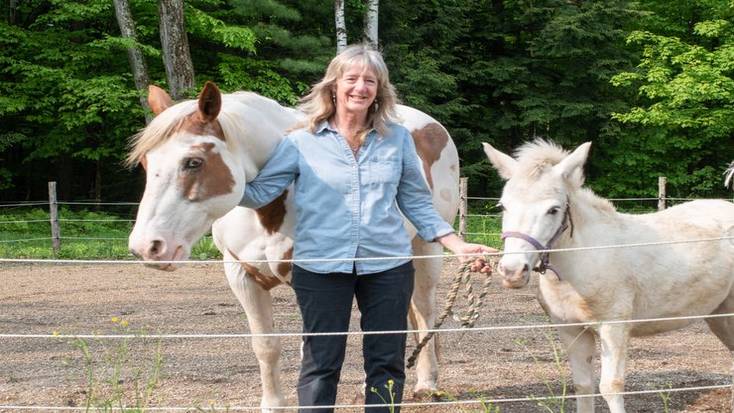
x: 324, y: 125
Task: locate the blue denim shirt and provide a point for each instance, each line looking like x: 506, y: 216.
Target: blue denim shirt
x: 347, y: 207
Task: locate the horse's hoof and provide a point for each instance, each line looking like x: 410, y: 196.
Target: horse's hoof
x: 427, y: 394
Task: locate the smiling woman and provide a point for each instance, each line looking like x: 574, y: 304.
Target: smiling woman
x: 356, y: 173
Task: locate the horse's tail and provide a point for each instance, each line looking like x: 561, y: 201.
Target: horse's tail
x: 728, y: 180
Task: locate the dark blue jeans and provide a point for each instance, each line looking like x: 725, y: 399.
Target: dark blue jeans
x: 325, y: 301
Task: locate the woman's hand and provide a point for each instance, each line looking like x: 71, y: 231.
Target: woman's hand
x: 459, y: 247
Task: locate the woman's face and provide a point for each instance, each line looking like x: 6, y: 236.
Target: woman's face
x: 356, y: 89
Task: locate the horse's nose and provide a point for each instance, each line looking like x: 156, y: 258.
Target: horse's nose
x: 511, y: 273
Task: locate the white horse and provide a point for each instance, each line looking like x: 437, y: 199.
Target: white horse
x: 729, y: 175
x: 199, y: 155
x: 546, y: 207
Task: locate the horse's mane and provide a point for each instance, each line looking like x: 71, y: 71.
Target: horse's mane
x: 539, y: 155
x: 232, y: 117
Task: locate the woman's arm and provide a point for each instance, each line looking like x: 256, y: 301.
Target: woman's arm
x: 279, y: 171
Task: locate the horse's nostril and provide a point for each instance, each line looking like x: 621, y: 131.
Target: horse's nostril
x: 524, y: 267
x: 156, y: 248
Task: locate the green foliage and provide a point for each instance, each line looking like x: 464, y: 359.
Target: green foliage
x: 649, y: 82
x: 683, y: 117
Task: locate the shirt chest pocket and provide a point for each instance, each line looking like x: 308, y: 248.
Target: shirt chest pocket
x: 384, y: 170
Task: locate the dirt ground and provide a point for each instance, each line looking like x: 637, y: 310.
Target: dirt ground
x: 196, y: 373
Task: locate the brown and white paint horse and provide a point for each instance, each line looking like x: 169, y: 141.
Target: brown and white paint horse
x: 198, y: 157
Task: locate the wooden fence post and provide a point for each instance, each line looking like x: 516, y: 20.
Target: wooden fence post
x: 53, y: 208
x: 662, y: 182
x: 462, y: 207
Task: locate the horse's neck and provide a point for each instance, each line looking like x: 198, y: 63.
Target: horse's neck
x: 265, y: 123
x: 594, y: 221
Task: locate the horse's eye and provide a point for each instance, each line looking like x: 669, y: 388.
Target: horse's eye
x: 553, y: 210
x: 193, y: 163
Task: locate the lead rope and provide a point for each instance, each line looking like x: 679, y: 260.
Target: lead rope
x: 468, y: 318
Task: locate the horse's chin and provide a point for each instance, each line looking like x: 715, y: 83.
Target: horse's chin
x: 516, y: 283
x: 181, y: 254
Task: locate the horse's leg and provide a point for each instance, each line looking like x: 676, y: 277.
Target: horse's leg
x: 258, y: 306
x: 423, y: 306
x: 580, y: 347
x: 613, y: 339
x: 723, y: 327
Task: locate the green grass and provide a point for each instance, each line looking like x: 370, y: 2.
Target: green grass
x: 85, y: 234
x: 103, y: 235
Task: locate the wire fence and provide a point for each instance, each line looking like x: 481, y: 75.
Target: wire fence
x: 446, y: 404
x: 483, y: 402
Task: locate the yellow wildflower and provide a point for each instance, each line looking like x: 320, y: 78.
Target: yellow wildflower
x: 115, y: 319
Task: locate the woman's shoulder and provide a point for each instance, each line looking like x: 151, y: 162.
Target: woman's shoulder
x: 396, y: 130
x: 299, y: 134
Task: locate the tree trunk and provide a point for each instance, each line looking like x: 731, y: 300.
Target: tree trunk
x: 12, y: 9
x: 134, y: 55
x: 370, y: 23
x: 341, y: 26
x: 175, y: 44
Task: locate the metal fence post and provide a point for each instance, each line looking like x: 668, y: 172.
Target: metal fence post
x: 53, y: 208
x: 662, y: 182
x: 462, y: 207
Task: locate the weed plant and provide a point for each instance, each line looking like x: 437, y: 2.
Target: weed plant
x: 116, y: 379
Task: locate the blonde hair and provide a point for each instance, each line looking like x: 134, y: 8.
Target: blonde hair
x: 319, y: 105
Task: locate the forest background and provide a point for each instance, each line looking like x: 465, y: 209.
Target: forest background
x: 649, y: 82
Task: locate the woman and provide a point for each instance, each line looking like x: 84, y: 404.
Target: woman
x: 352, y: 168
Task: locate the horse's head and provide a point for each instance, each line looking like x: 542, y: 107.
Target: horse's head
x: 192, y: 175
x: 534, y: 202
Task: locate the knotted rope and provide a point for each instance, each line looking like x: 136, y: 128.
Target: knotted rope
x: 468, y: 317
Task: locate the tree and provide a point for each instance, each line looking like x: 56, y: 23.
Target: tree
x: 175, y: 45
x: 134, y: 54
x: 370, y: 22
x: 340, y: 26
x: 683, y: 119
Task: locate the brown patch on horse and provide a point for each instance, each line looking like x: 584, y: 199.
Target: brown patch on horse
x: 195, y: 124
x: 272, y: 215
x: 429, y: 142
x: 285, y: 267
x: 267, y: 283
x: 212, y: 178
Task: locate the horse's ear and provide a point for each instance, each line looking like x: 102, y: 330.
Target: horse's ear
x: 210, y: 102
x: 158, y: 99
x: 503, y: 163
x: 571, y: 167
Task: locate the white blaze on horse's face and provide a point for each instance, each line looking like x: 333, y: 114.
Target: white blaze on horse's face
x: 534, y: 202
x: 191, y: 180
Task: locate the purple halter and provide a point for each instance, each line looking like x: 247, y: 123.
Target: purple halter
x: 544, y: 261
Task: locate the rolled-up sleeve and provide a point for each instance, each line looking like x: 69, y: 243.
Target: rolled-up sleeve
x: 414, y: 198
x: 279, y: 172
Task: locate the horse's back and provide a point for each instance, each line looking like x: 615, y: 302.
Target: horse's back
x: 704, y: 217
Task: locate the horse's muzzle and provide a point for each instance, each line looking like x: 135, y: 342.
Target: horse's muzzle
x: 514, y: 277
